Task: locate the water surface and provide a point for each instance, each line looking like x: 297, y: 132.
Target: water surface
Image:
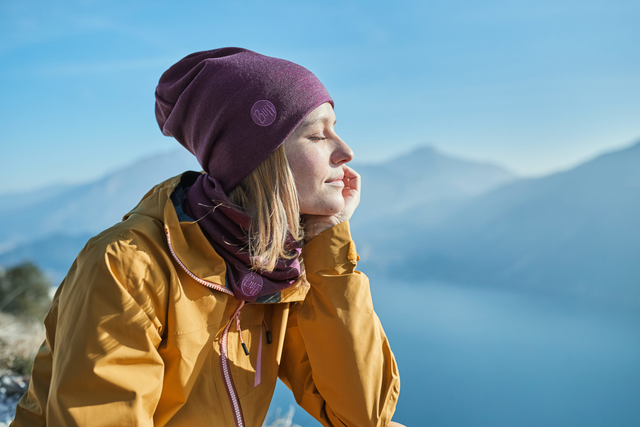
x: 477, y: 356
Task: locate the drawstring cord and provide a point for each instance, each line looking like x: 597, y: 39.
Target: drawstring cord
x: 264, y: 322
x: 237, y: 316
x: 269, y: 337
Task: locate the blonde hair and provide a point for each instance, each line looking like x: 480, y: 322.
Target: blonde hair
x: 268, y: 195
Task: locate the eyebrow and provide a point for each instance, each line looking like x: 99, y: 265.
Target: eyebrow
x: 313, y: 122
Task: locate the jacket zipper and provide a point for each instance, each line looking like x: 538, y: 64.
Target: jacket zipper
x: 224, y: 359
x: 193, y: 276
x: 226, y: 373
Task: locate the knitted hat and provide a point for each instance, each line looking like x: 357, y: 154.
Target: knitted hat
x: 232, y: 108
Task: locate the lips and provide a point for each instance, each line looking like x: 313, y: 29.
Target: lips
x: 337, y: 181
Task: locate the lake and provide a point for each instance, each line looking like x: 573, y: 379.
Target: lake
x: 477, y: 356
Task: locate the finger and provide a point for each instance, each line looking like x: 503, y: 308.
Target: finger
x: 352, y: 178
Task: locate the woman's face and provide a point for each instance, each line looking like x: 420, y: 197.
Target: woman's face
x: 317, y: 155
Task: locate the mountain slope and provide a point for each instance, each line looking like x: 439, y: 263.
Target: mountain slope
x: 31, y: 222
x: 423, y: 177
x: 577, y: 231
x: 53, y: 254
x: 87, y: 208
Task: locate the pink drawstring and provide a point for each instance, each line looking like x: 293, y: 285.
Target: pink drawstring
x: 237, y: 315
x: 238, y: 327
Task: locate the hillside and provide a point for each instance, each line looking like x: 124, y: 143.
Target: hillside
x: 87, y: 208
x: 51, y: 225
x: 576, y: 231
x: 425, y: 176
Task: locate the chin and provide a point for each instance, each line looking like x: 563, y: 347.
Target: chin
x: 326, y: 208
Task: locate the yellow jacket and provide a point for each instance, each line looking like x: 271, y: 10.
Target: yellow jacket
x: 143, y: 332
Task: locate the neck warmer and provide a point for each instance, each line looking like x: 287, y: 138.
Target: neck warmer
x: 226, y: 227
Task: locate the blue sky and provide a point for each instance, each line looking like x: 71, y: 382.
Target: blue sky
x: 536, y: 86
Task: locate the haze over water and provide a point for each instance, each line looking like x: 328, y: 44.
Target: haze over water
x: 478, y: 356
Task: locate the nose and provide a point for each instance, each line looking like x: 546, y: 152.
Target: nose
x: 342, y: 153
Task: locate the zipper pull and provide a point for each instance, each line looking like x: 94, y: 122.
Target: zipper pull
x: 269, y: 337
x: 244, y: 346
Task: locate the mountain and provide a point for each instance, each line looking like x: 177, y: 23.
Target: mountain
x: 88, y: 208
x: 53, y: 254
x: 423, y: 216
x: 424, y: 176
x: 576, y: 231
x: 14, y: 201
x: 51, y: 225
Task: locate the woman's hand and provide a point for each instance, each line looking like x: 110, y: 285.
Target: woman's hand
x: 316, y: 224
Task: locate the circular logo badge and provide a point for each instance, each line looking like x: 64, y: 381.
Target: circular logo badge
x: 251, y: 284
x: 263, y: 113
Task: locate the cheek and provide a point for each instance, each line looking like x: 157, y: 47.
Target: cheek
x: 296, y: 162
x: 306, y: 170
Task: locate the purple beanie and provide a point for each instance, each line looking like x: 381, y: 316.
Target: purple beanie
x: 232, y: 108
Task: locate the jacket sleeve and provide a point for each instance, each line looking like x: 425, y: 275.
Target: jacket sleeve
x: 100, y: 365
x: 336, y: 358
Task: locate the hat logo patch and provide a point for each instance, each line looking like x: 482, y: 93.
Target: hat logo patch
x: 251, y: 284
x: 263, y: 113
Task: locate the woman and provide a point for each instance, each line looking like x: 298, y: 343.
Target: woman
x: 187, y: 311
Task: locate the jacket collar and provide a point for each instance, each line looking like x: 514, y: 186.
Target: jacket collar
x: 189, y: 244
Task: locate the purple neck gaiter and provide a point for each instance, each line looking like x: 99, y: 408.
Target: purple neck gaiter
x: 226, y: 228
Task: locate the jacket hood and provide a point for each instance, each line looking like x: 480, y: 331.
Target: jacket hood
x: 188, y: 244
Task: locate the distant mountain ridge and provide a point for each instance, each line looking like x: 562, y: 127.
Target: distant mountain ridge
x: 70, y: 214
x: 423, y: 176
x: 14, y: 201
x: 576, y: 231
x: 85, y: 208
x: 423, y: 216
